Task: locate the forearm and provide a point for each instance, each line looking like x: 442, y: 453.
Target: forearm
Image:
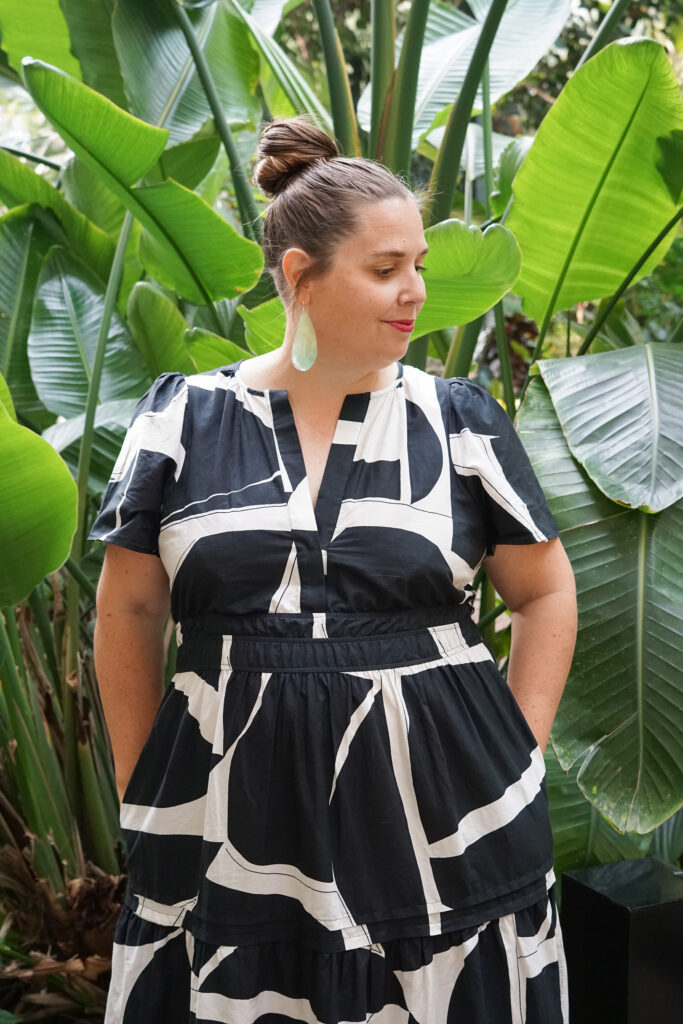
x: 129, y: 662
x: 543, y: 638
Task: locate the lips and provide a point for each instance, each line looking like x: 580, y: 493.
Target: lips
x: 401, y: 325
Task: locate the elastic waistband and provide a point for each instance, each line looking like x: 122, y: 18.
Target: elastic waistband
x: 319, y: 642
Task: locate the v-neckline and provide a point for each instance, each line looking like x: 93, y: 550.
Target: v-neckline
x: 322, y: 516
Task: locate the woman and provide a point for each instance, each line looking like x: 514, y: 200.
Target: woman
x: 337, y: 811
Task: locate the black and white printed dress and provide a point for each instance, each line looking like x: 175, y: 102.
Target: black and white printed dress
x: 340, y: 812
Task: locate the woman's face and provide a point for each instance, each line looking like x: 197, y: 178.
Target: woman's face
x: 375, y: 279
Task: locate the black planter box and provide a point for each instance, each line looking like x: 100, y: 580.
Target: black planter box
x: 623, y: 936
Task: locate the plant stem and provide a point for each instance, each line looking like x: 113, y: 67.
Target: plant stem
x: 489, y: 616
x: 249, y: 214
x: 447, y: 163
x: 462, y: 349
x: 341, y: 102
x: 604, y: 33
x: 503, y: 346
x: 398, y: 140
x: 381, y: 69
x: 609, y: 306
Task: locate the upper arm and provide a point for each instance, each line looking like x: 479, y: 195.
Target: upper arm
x: 133, y: 582
x: 524, y: 572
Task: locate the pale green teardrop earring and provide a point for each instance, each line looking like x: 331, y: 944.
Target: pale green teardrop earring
x: 305, y: 345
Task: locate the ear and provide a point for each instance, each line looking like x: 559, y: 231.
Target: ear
x: 294, y: 262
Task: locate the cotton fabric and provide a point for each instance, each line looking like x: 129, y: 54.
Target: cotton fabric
x: 340, y: 811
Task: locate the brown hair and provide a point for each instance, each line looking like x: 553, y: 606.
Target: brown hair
x: 317, y: 194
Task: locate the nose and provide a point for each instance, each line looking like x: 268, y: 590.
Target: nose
x: 414, y: 292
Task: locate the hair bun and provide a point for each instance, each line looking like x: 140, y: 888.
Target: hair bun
x: 287, y: 147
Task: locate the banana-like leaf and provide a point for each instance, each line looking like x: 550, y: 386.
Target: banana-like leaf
x: 510, y: 162
x: 622, y: 710
x: 38, y: 500
x: 581, y: 836
x: 20, y: 185
x: 43, y: 33
x: 67, y: 312
x: 92, y: 42
x: 24, y: 243
x: 87, y: 192
x: 187, y: 246
x: 589, y: 199
x: 209, y: 351
x: 472, y: 158
x: 159, y: 72
x: 159, y: 328
x: 187, y: 163
x: 667, y: 840
x: 527, y: 29
x: 112, y: 419
x: 621, y: 415
x: 265, y: 324
x: 291, y: 81
x: 468, y: 271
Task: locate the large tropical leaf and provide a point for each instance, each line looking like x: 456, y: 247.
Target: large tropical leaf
x: 621, y: 714
x: 112, y: 420
x: 19, y: 185
x: 209, y: 351
x: 265, y: 325
x: 159, y: 72
x: 187, y: 246
x: 527, y: 30
x: 621, y: 415
x: 589, y: 199
x: 159, y: 328
x: 468, y: 271
x: 38, y: 501
x: 293, y: 84
x: 43, y: 33
x: 67, y: 312
x: 581, y: 836
x: 88, y: 193
x: 24, y: 243
x: 91, y: 41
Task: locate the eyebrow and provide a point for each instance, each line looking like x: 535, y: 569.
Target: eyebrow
x: 395, y: 252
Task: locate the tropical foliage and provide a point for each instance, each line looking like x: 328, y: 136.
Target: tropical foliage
x: 137, y: 252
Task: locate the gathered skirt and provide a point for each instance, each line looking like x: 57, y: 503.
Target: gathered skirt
x: 342, y: 827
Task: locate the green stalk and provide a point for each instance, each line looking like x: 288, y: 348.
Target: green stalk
x: 397, y: 143
x: 71, y: 674
x: 447, y: 163
x: 82, y: 579
x: 32, y: 157
x: 341, y: 102
x: 99, y: 826
x: 417, y: 352
x: 486, y: 622
x: 381, y: 69
x: 491, y: 615
x: 503, y: 346
x: 502, y: 341
x: 41, y: 618
x: 604, y: 33
x: 249, y: 214
x: 605, y: 312
x: 462, y: 349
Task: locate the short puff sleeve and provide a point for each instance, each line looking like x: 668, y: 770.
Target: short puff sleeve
x: 484, y: 444
x: 150, y: 459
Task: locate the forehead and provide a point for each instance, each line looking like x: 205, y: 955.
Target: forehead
x: 389, y: 224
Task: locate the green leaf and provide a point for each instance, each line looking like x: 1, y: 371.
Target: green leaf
x: 527, y: 29
x: 43, y: 33
x: 24, y: 243
x: 468, y: 271
x: 188, y: 247
x: 86, y: 191
x: 291, y: 81
x: 621, y: 713
x: 159, y: 328
x: 38, y: 500
x: 510, y: 162
x: 614, y: 201
x: 266, y: 325
x: 209, y: 351
x: 20, y: 185
x: 159, y: 72
x: 630, y: 445
x: 68, y: 308
x: 91, y: 41
x: 670, y: 163
x: 111, y: 423
x: 581, y: 836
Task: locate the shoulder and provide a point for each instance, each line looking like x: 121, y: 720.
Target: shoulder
x: 474, y: 406
x: 163, y: 392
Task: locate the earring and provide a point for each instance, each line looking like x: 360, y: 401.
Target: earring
x: 305, y: 346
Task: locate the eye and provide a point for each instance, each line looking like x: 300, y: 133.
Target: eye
x: 422, y: 270
x: 384, y: 272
